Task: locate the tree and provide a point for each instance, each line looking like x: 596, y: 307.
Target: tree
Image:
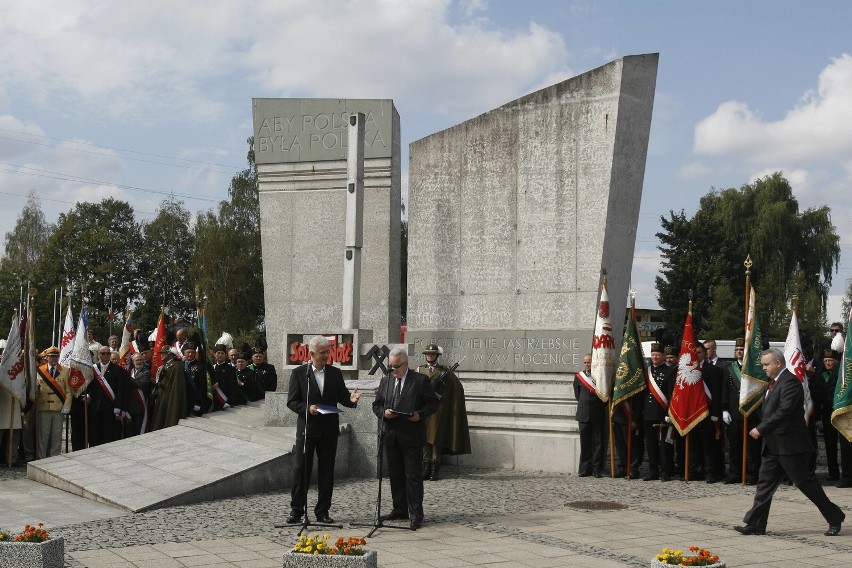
x: 847, y: 303
x: 227, y: 264
x: 97, y: 250
x: 793, y: 254
x: 169, y: 244
x: 25, y: 243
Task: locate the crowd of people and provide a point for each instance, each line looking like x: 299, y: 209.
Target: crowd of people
x: 123, y: 397
x: 716, y: 444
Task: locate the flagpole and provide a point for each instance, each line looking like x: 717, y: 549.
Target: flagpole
x: 11, y: 431
x: 747, y: 265
x: 629, y: 464
x: 53, y: 335
x: 611, y: 443
x: 686, y: 438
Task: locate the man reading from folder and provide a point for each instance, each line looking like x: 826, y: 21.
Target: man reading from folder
x: 404, y: 400
x: 313, y: 389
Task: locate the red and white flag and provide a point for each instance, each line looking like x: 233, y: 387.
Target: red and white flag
x: 12, y: 375
x: 689, y: 401
x: 603, y: 349
x: 796, y: 362
x: 66, y: 343
x: 159, y: 342
x: 126, y: 343
x: 81, y: 373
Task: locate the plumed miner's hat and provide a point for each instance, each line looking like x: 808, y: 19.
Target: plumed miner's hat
x: 831, y: 354
x: 657, y: 348
x: 670, y: 350
x: 739, y: 342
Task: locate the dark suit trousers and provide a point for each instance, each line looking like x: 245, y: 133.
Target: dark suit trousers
x: 772, y: 471
x: 325, y: 447
x: 829, y: 435
x: 660, y: 452
x: 734, y: 434
x: 404, y: 463
x: 593, y: 444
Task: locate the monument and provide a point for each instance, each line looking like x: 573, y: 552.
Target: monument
x: 301, y: 148
x: 513, y: 215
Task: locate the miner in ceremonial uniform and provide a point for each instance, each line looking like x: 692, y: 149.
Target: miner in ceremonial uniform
x: 265, y: 372
x: 247, y: 380
x: 733, y: 419
x: 169, y: 392
x: 197, y: 399
x: 224, y: 379
x: 660, y: 381
x: 53, y: 403
x: 822, y: 387
x: 709, y: 431
x: 446, y: 430
x: 671, y: 355
x: 592, y: 420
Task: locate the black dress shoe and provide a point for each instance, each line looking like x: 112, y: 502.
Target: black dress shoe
x: 665, y: 477
x: 833, y: 530
x: 394, y: 515
x: 598, y: 474
x: 752, y: 529
x: 417, y: 523
x: 845, y: 483
x: 324, y: 518
x: 294, y: 519
x: 584, y: 474
x: 651, y: 477
x: 634, y: 474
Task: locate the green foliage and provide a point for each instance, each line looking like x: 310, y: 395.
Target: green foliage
x: 227, y: 264
x: 846, y: 305
x: 169, y: 242
x: 25, y: 243
x: 793, y: 254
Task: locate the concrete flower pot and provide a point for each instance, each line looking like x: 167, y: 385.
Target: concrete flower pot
x: 657, y: 564
x: 47, y: 554
x: 302, y: 560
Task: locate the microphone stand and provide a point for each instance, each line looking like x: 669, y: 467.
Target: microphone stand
x: 306, y: 473
x: 378, y: 523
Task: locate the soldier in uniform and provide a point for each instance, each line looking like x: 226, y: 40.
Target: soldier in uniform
x: 592, y: 421
x: 733, y: 419
x: 446, y: 430
x: 265, y: 372
x: 53, y: 403
x: 660, y: 381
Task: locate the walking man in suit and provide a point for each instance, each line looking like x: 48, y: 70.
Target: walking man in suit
x: 404, y: 400
x: 312, y: 385
x: 786, y: 448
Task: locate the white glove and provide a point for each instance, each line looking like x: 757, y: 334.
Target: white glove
x: 196, y: 408
x: 668, y: 420
x: 226, y: 406
x: 726, y: 416
x: 714, y: 418
x: 65, y: 411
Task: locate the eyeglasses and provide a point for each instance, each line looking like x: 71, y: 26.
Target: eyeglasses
x: 833, y: 330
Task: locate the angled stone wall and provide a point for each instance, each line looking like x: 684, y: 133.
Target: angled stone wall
x: 513, y: 214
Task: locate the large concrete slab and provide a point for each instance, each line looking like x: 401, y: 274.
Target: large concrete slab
x: 223, y: 455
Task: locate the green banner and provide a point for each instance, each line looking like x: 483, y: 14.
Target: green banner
x: 630, y: 372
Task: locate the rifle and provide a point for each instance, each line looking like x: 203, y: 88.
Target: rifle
x: 444, y: 375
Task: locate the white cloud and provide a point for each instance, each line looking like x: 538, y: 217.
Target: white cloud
x: 647, y: 261
x: 693, y: 170
x: 157, y: 60
x: 815, y: 131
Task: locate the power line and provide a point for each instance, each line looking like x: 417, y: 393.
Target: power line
x: 65, y: 201
x: 230, y: 167
x: 37, y: 172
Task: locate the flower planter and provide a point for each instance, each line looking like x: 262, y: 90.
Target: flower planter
x: 657, y: 564
x: 302, y: 560
x: 47, y: 554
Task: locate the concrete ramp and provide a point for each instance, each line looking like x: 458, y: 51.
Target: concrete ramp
x: 220, y: 455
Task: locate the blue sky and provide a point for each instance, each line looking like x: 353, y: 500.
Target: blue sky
x: 140, y: 99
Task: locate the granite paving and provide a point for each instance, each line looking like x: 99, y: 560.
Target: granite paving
x: 474, y: 517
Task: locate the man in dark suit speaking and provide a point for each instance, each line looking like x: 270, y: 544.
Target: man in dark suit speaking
x: 311, y: 385
x: 786, y: 448
x: 404, y: 400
